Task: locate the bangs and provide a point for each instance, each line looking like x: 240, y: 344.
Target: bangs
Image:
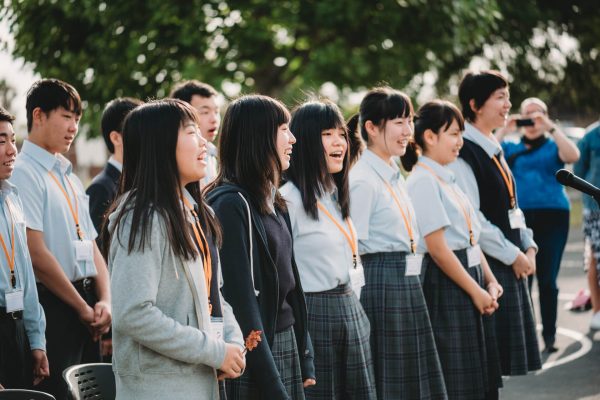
x: 280, y: 113
x: 452, y: 113
x: 398, y: 105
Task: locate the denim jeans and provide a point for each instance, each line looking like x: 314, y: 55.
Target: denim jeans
x: 550, y: 231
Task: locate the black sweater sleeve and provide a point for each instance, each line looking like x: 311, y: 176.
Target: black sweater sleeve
x: 239, y: 291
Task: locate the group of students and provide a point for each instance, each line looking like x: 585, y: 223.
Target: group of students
x: 307, y: 267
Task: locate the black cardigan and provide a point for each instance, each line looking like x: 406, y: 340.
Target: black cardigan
x: 257, y: 312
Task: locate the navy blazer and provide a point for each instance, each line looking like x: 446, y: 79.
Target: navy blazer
x: 102, y: 192
x: 252, y: 312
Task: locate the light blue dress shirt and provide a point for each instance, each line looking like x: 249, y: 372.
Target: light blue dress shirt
x: 492, y: 240
x: 33, y: 314
x: 440, y: 205
x: 46, y: 209
x: 212, y: 164
x: 378, y: 221
x: 322, y: 252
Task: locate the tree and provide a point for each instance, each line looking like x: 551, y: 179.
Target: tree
x: 281, y: 48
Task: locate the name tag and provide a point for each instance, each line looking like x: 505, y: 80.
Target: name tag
x: 84, y: 250
x: 216, y: 327
x: 516, y: 218
x: 414, y: 263
x: 14, y: 300
x: 357, y: 278
x: 474, y: 256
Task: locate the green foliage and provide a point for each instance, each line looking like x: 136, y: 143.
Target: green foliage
x: 282, y: 48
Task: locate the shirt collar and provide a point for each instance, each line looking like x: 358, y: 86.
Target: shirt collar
x: 489, y: 145
x: 271, y: 199
x: 6, y: 188
x: 115, y: 163
x: 212, y: 149
x: 46, y: 159
x: 444, y: 173
x: 388, y: 172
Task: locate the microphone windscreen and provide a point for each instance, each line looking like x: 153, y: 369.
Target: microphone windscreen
x: 564, y: 177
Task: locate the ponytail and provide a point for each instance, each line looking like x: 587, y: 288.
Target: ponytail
x: 410, y: 158
x: 356, y: 145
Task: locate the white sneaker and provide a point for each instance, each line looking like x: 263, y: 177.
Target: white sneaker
x: 595, y: 322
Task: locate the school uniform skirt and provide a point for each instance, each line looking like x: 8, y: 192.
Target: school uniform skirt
x: 340, y: 330
x: 285, y: 355
x: 404, y: 353
x: 462, y: 335
x: 515, y: 323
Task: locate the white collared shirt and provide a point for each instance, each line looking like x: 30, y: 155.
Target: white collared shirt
x: 492, y: 240
x: 440, y: 205
x: 379, y: 223
x: 321, y: 250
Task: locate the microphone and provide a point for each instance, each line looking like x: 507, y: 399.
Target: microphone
x: 567, y: 178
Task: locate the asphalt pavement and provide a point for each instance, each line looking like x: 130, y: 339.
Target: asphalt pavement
x: 574, y: 371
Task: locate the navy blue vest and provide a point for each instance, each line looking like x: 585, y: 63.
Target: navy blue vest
x: 494, y: 199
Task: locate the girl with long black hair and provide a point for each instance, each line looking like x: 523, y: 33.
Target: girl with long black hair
x: 326, y: 249
x: 171, y: 329
x: 260, y: 276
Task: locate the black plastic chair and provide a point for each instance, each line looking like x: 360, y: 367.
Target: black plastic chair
x: 23, y: 394
x: 90, y: 381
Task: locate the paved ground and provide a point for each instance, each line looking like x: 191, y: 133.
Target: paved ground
x: 574, y: 371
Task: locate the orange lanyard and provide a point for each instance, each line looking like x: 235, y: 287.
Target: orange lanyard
x: 74, y: 211
x: 10, y: 259
x: 465, y: 206
x: 508, y: 181
x: 407, y: 219
x: 351, y: 238
x: 204, y: 249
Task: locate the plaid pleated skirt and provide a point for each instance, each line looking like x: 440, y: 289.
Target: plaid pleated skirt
x: 285, y: 355
x: 404, y: 353
x: 462, y: 335
x: 515, y: 323
x: 340, y: 330
x: 591, y: 231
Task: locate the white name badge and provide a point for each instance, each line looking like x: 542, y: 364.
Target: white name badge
x: 216, y: 326
x: 357, y: 278
x: 414, y: 262
x: 474, y: 256
x: 14, y: 300
x: 516, y: 218
x: 84, y: 250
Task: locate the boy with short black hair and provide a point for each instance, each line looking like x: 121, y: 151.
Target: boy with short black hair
x: 73, y: 283
x: 203, y: 98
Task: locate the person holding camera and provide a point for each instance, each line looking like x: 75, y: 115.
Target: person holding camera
x: 542, y: 150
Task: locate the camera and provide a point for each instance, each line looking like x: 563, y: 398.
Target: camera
x: 525, y: 122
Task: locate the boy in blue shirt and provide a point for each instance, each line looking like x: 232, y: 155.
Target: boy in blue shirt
x: 73, y: 283
x: 22, y: 322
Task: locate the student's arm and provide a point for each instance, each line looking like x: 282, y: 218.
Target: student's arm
x: 492, y: 240
x: 445, y: 258
x: 51, y: 275
x: 102, y: 310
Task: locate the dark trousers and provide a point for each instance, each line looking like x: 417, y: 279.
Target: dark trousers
x: 16, y: 368
x: 550, y: 231
x: 68, y: 342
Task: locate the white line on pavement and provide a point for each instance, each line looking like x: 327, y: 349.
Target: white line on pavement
x: 585, y: 342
